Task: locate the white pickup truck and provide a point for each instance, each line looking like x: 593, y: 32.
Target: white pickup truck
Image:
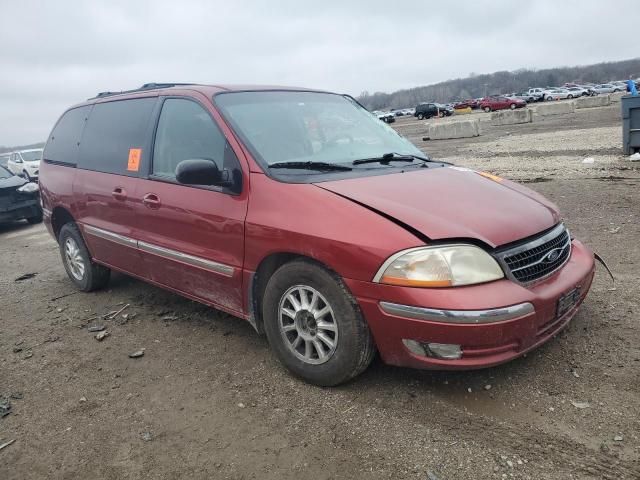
x: 538, y: 93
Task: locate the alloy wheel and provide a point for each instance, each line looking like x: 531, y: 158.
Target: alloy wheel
x: 307, y: 324
x: 74, y: 259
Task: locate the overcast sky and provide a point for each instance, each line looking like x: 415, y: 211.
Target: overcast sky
x: 56, y: 53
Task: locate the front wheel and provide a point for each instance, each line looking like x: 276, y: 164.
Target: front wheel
x: 487, y: 109
x: 82, y: 270
x: 512, y: 106
x: 420, y: 116
x: 314, y: 325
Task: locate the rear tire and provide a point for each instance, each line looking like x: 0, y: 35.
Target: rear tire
x: 487, y: 109
x: 297, y: 328
x: 512, y: 106
x: 83, y: 272
x: 420, y: 116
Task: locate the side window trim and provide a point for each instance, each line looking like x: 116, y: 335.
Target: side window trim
x: 156, y: 122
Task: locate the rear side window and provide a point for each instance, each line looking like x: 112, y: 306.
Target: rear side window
x: 185, y: 131
x: 63, y: 143
x: 116, y: 137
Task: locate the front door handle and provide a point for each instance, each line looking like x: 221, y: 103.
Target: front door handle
x: 119, y: 193
x: 151, y: 200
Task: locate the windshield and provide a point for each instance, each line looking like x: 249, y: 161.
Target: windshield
x: 4, y: 173
x: 31, y: 155
x: 283, y: 126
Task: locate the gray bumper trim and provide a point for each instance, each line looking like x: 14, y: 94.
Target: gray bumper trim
x: 458, y: 316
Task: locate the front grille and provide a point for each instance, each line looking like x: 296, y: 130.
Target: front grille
x: 537, y: 258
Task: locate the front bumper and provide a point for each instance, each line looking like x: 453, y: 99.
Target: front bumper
x: 484, y: 341
x: 20, y: 210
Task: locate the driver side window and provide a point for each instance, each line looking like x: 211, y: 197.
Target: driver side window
x: 185, y: 131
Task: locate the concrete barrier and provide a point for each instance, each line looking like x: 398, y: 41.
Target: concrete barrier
x: 555, y: 108
x: 448, y: 130
x: 615, y: 97
x: 511, y: 117
x: 590, y: 102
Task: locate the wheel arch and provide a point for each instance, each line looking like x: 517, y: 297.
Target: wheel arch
x: 265, y: 270
x: 59, y: 217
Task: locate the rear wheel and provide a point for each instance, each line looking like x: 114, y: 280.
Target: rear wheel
x: 83, y: 272
x: 512, y: 106
x: 420, y: 116
x: 487, y: 109
x: 570, y: 96
x: 314, y: 325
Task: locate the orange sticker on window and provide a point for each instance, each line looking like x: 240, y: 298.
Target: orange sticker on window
x: 134, y: 159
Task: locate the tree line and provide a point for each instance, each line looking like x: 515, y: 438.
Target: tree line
x: 481, y: 85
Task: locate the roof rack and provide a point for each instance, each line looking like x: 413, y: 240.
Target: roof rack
x: 146, y: 86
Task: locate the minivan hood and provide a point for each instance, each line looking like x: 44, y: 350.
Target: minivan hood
x: 453, y: 203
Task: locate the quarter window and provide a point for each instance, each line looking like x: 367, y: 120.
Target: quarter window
x: 115, y: 139
x: 62, y: 144
x: 186, y: 131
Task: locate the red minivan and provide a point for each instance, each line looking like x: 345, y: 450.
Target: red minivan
x: 300, y: 212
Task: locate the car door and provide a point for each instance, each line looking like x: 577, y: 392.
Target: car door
x: 192, y: 237
x: 114, y: 149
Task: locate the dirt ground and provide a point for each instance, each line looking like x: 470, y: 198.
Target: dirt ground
x: 208, y: 400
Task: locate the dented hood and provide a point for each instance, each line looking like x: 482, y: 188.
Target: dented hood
x: 452, y: 202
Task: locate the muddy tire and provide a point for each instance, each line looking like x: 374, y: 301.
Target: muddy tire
x: 83, y: 272
x: 314, y: 325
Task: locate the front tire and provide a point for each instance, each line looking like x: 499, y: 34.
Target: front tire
x: 487, y: 109
x: 83, y: 272
x: 420, y: 116
x: 512, y: 106
x: 314, y: 325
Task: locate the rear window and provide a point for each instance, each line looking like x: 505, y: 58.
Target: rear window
x: 116, y: 137
x: 62, y: 144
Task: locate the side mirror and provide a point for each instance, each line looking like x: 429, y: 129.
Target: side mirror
x: 201, y: 171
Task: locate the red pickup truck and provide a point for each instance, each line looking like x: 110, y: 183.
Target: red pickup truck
x: 490, y: 104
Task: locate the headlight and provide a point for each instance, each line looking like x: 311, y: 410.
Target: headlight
x: 439, y: 266
x: 29, y: 188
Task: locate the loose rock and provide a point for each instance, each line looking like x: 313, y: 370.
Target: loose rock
x: 102, y: 335
x: 137, y: 353
x: 96, y: 328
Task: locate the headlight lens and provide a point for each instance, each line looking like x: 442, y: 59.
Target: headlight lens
x: 440, y: 266
x: 29, y: 188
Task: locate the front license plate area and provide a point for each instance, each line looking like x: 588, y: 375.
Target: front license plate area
x: 567, y: 301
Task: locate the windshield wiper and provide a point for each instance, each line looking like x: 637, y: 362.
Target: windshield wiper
x: 391, y: 157
x: 311, y: 166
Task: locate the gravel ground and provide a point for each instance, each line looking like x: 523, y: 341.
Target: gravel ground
x: 208, y: 400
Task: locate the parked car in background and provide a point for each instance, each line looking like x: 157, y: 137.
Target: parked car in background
x: 19, y: 198
x: 604, y: 88
x: 558, y: 94
x: 446, y: 108
x: 429, y: 110
x: 336, y: 243
x: 386, y: 117
x: 527, y: 97
x: 26, y: 163
x: 469, y: 103
x: 497, y: 102
x: 578, y: 91
x: 537, y: 93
